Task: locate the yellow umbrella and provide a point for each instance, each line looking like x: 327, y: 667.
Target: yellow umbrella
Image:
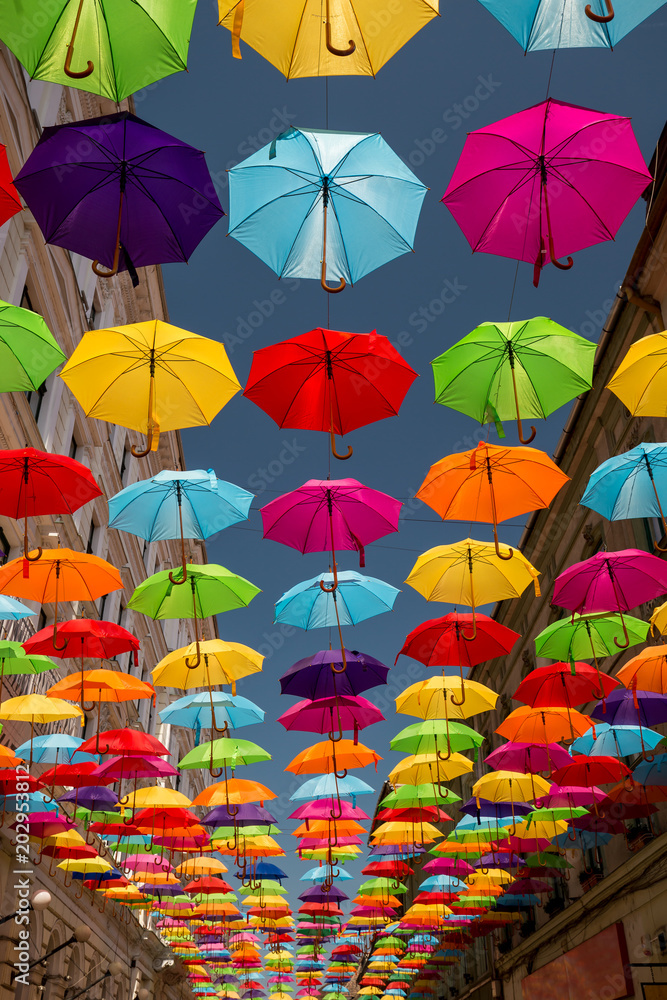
x: 402, y: 833
x: 337, y: 38
x: 437, y: 698
x: 471, y: 572
x: 37, y: 709
x: 221, y: 663
x: 155, y: 797
x: 491, y: 876
x: 510, y: 786
x: 423, y: 768
x: 150, y: 377
x: 640, y: 381
x: 199, y: 867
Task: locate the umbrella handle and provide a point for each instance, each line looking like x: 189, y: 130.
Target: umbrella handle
x: 26, y: 554
x: 343, y: 774
x: 136, y: 453
x: 70, y: 51
x: 54, y: 640
x: 323, y: 275
x: 623, y: 645
x: 533, y: 430
x: 337, y: 52
x: 191, y: 666
x: 498, y: 552
x: 177, y: 583
x: 350, y: 449
x: 601, y: 19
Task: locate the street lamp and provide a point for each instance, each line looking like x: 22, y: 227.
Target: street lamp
x: 40, y: 900
x: 114, y: 971
x: 81, y: 933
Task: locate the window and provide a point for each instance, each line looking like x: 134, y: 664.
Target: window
x: 26, y: 302
x: 41, y: 621
x: 73, y: 447
x: 103, y: 602
x: 4, y: 548
x: 91, y: 537
x: 35, y: 399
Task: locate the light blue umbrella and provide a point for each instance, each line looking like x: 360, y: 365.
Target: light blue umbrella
x: 563, y: 24
x: 179, y: 505
x: 326, y: 785
x: 585, y: 840
x: 442, y: 883
x: 327, y: 205
x: 356, y: 598
x: 319, y: 874
x: 30, y: 802
x: 651, y: 772
x: 54, y: 747
x: 194, y: 711
x: 630, y: 485
x: 12, y: 610
x: 615, y: 741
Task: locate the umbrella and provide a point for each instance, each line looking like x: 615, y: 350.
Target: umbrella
x: 437, y: 736
x: 588, y: 771
x: 531, y: 188
x: 434, y: 698
x: 331, y: 514
x: 150, y: 377
x: 176, y: 504
x: 281, y: 195
x: 124, y: 198
x: 500, y: 371
x: 329, y: 381
x: 326, y: 715
x: 611, y: 581
x: 199, y: 711
x: 108, y: 686
x: 328, y: 758
x: 213, y: 590
x: 36, y: 482
x: 13, y: 611
x: 471, y: 572
x: 564, y: 685
x: 623, y: 741
x: 543, y: 725
x: 491, y: 483
x: 527, y: 757
x: 327, y: 785
x: 640, y: 379
x: 319, y: 676
x: 629, y: 485
x: 10, y: 203
x: 48, y: 748
x: 440, y: 642
x: 28, y: 350
x: 647, y: 671
x: 60, y: 575
x: 13, y: 661
x: 587, y: 636
x: 355, y: 599
x: 565, y: 24
x: 309, y: 40
x: 115, y: 50
x: 84, y: 637
x: 221, y: 663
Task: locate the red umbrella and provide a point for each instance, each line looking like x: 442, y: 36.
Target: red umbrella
x: 588, y: 771
x: 35, y: 482
x: 207, y: 885
x: 325, y: 380
x: 84, y: 637
x: 72, y: 775
x: 388, y: 869
x: 564, y: 685
x: 10, y: 203
x: 440, y: 642
x: 124, y: 742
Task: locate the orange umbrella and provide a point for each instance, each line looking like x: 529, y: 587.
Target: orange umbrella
x: 101, y: 685
x: 60, y: 575
x: 544, y: 725
x: 491, y: 483
x: 329, y: 757
x: 235, y: 791
x: 647, y: 671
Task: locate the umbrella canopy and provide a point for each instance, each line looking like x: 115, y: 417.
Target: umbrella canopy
x: 584, y: 636
x: 329, y: 715
x: 615, y: 741
x: 198, y: 711
x: 281, y: 195
x: 306, y: 41
x: 328, y: 757
x: 10, y: 202
x: 569, y: 24
x: 630, y: 485
x: 150, y: 377
x: 28, y: 350
x: 640, y: 381
x: 446, y: 697
x: 84, y: 637
x: 320, y: 675
x: 213, y: 589
x: 564, y: 685
x: 440, y: 641
x: 647, y: 671
x: 102, y: 47
x: 632, y: 708
x: 120, y: 199
x: 38, y: 709
x: 524, y: 369
x: 528, y: 758
x: 221, y: 663
x: 543, y: 725
x: 355, y: 599
x: 329, y: 381
x: 543, y: 158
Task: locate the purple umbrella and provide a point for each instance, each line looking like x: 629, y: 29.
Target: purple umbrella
x: 315, y: 676
x: 326, y: 715
x: 528, y: 758
x: 119, y: 191
x: 316, y: 894
x: 92, y: 797
x: 242, y: 815
x: 486, y: 809
x: 611, y: 581
x: 631, y: 708
x: 328, y: 514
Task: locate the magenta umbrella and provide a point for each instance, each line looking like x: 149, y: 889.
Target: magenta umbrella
x: 547, y: 181
x: 326, y: 715
x: 528, y: 758
x: 328, y: 514
x: 320, y: 809
x: 117, y: 768
x: 562, y: 796
x: 611, y: 581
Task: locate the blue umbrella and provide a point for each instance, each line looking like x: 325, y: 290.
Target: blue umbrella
x: 355, y: 599
x: 319, y: 874
x: 12, y: 610
x: 30, y: 802
x: 328, y: 205
x: 324, y: 786
x: 442, y: 883
x: 584, y: 841
x: 194, y: 711
x: 616, y: 741
x: 630, y: 485
x: 264, y: 870
x: 179, y: 505
x: 54, y: 747
x: 564, y: 24
x: 651, y: 772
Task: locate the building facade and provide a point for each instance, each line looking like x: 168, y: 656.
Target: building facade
x: 62, y: 288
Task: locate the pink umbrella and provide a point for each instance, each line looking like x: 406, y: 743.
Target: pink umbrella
x: 547, y: 181
x: 562, y: 796
x: 528, y: 758
x: 146, y: 863
x: 611, y: 581
x: 447, y: 866
x: 326, y: 715
x: 320, y: 809
x: 328, y: 514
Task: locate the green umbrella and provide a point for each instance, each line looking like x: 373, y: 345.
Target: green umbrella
x: 108, y: 47
x: 224, y: 753
x: 213, y: 589
x: 375, y: 886
x: 503, y: 371
x: 268, y: 886
x: 14, y: 660
x: 409, y: 796
x: 28, y: 350
x: 438, y: 736
x: 562, y: 813
x: 585, y: 637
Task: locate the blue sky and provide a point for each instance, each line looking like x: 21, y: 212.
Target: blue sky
x: 459, y: 73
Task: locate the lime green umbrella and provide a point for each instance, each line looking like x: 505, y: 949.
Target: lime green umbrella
x: 380, y: 887
x: 503, y: 371
x: 108, y: 47
x: 437, y: 736
x: 409, y: 796
x: 204, y: 591
x: 28, y: 350
x: 553, y: 815
x: 224, y: 753
x: 585, y: 637
x: 14, y: 660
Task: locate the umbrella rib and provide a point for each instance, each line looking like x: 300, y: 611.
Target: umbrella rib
x: 296, y: 39
x: 579, y: 195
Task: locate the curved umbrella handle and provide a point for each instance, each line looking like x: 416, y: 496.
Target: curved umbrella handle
x: 601, y: 18
x: 350, y: 449
x: 54, y: 640
x: 328, y: 288
x: 498, y: 552
x: 26, y: 553
x: 323, y: 275
x: 70, y: 52
x: 177, y: 583
x: 116, y: 253
x: 623, y: 645
x: 330, y: 590
x: 343, y: 774
x: 344, y: 667
x: 337, y: 52
x: 191, y: 666
x: 136, y: 453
